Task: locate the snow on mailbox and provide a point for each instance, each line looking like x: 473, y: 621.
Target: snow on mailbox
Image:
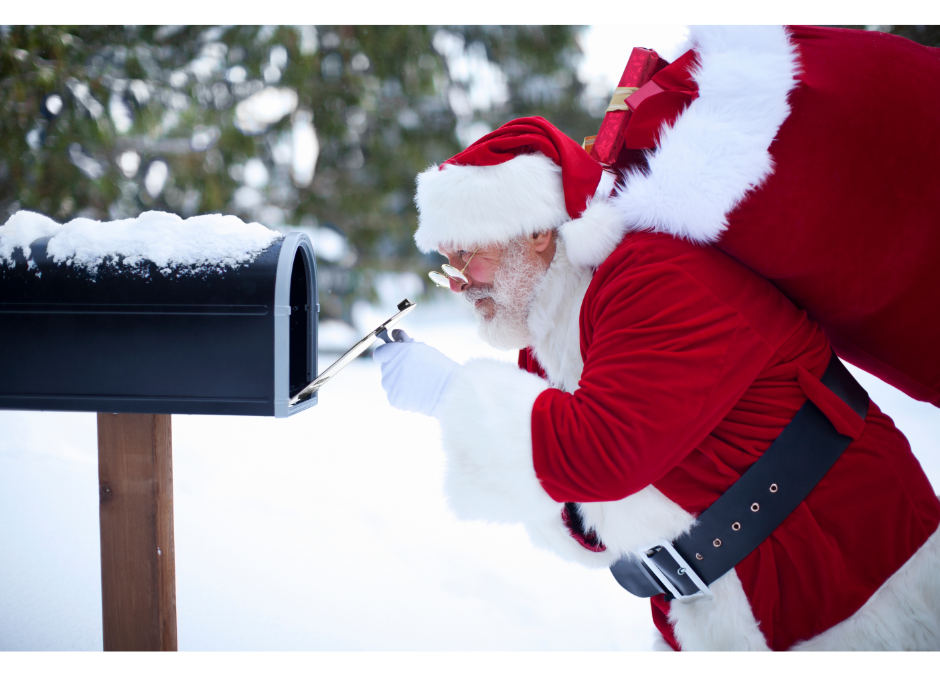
x: 156, y: 314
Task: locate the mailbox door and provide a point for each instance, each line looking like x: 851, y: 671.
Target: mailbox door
x: 296, y: 307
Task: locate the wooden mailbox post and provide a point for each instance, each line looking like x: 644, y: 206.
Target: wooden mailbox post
x: 138, y: 564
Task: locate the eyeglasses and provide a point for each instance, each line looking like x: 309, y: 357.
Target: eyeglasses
x: 451, y: 273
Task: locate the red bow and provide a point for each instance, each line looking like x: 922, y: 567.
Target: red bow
x: 660, y: 101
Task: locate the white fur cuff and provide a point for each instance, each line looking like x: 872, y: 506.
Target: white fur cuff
x: 486, y: 428
x: 486, y: 417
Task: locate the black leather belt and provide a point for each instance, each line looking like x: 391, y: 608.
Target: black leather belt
x: 752, y: 508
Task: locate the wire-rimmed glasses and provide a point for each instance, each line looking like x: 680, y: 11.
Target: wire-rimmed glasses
x: 450, y: 273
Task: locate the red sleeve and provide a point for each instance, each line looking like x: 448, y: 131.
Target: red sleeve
x: 664, y: 362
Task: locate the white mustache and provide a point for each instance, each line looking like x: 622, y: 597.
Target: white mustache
x: 475, y: 293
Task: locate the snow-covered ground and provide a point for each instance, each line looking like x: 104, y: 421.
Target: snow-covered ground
x: 324, y: 531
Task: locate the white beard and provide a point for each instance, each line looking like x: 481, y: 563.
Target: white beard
x: 512, y: 292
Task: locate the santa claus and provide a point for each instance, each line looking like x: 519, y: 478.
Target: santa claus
x: 659, y: 417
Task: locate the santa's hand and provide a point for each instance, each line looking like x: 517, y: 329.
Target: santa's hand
x: 414, y: 375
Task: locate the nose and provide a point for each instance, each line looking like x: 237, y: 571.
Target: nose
x: 458, y: 286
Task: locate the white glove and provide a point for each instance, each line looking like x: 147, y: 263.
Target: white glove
x: 414, y: 375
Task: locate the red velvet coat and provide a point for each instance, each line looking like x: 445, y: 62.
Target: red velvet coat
x: 692, y: 367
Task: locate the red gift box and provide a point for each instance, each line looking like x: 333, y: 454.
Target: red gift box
x: 608, y: 144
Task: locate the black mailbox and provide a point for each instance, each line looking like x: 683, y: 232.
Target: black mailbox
x: 220, y: 341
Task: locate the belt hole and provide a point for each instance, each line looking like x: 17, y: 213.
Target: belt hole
x: 681, y: 571
x: 773, y: 487
x: 699, y: 556
x: 716, y: 543
x: 735, y: 526
x: 755, y: 507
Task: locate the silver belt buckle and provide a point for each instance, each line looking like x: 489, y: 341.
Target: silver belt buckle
x: 703, y: 590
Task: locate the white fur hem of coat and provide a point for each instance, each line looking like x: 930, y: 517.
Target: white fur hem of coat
x: 718, y: 148
x: 723, y: 623
x: 904, y: 614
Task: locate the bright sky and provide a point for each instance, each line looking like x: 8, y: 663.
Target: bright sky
x: 607, y: 48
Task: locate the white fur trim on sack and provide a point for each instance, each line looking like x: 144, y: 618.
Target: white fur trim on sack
x: 718, y: 148
x: 465, y: 207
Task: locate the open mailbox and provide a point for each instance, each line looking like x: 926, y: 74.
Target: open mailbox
x: 222, y: 341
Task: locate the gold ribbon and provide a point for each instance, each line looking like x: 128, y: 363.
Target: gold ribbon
x: 618, y: 100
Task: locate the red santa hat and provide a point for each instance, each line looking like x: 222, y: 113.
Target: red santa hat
x: 525, y: 177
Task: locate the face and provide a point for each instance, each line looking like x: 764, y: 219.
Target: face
x: 480, y: 268
x: 501, y: 282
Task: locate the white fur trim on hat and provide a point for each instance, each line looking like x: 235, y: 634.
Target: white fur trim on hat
x: 718, y: 148
x: 464, y: 207
x: 470, y: 206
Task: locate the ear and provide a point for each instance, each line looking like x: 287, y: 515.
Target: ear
x: 542, y: 240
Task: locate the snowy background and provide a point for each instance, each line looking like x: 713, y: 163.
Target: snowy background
x: 327, y: 530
